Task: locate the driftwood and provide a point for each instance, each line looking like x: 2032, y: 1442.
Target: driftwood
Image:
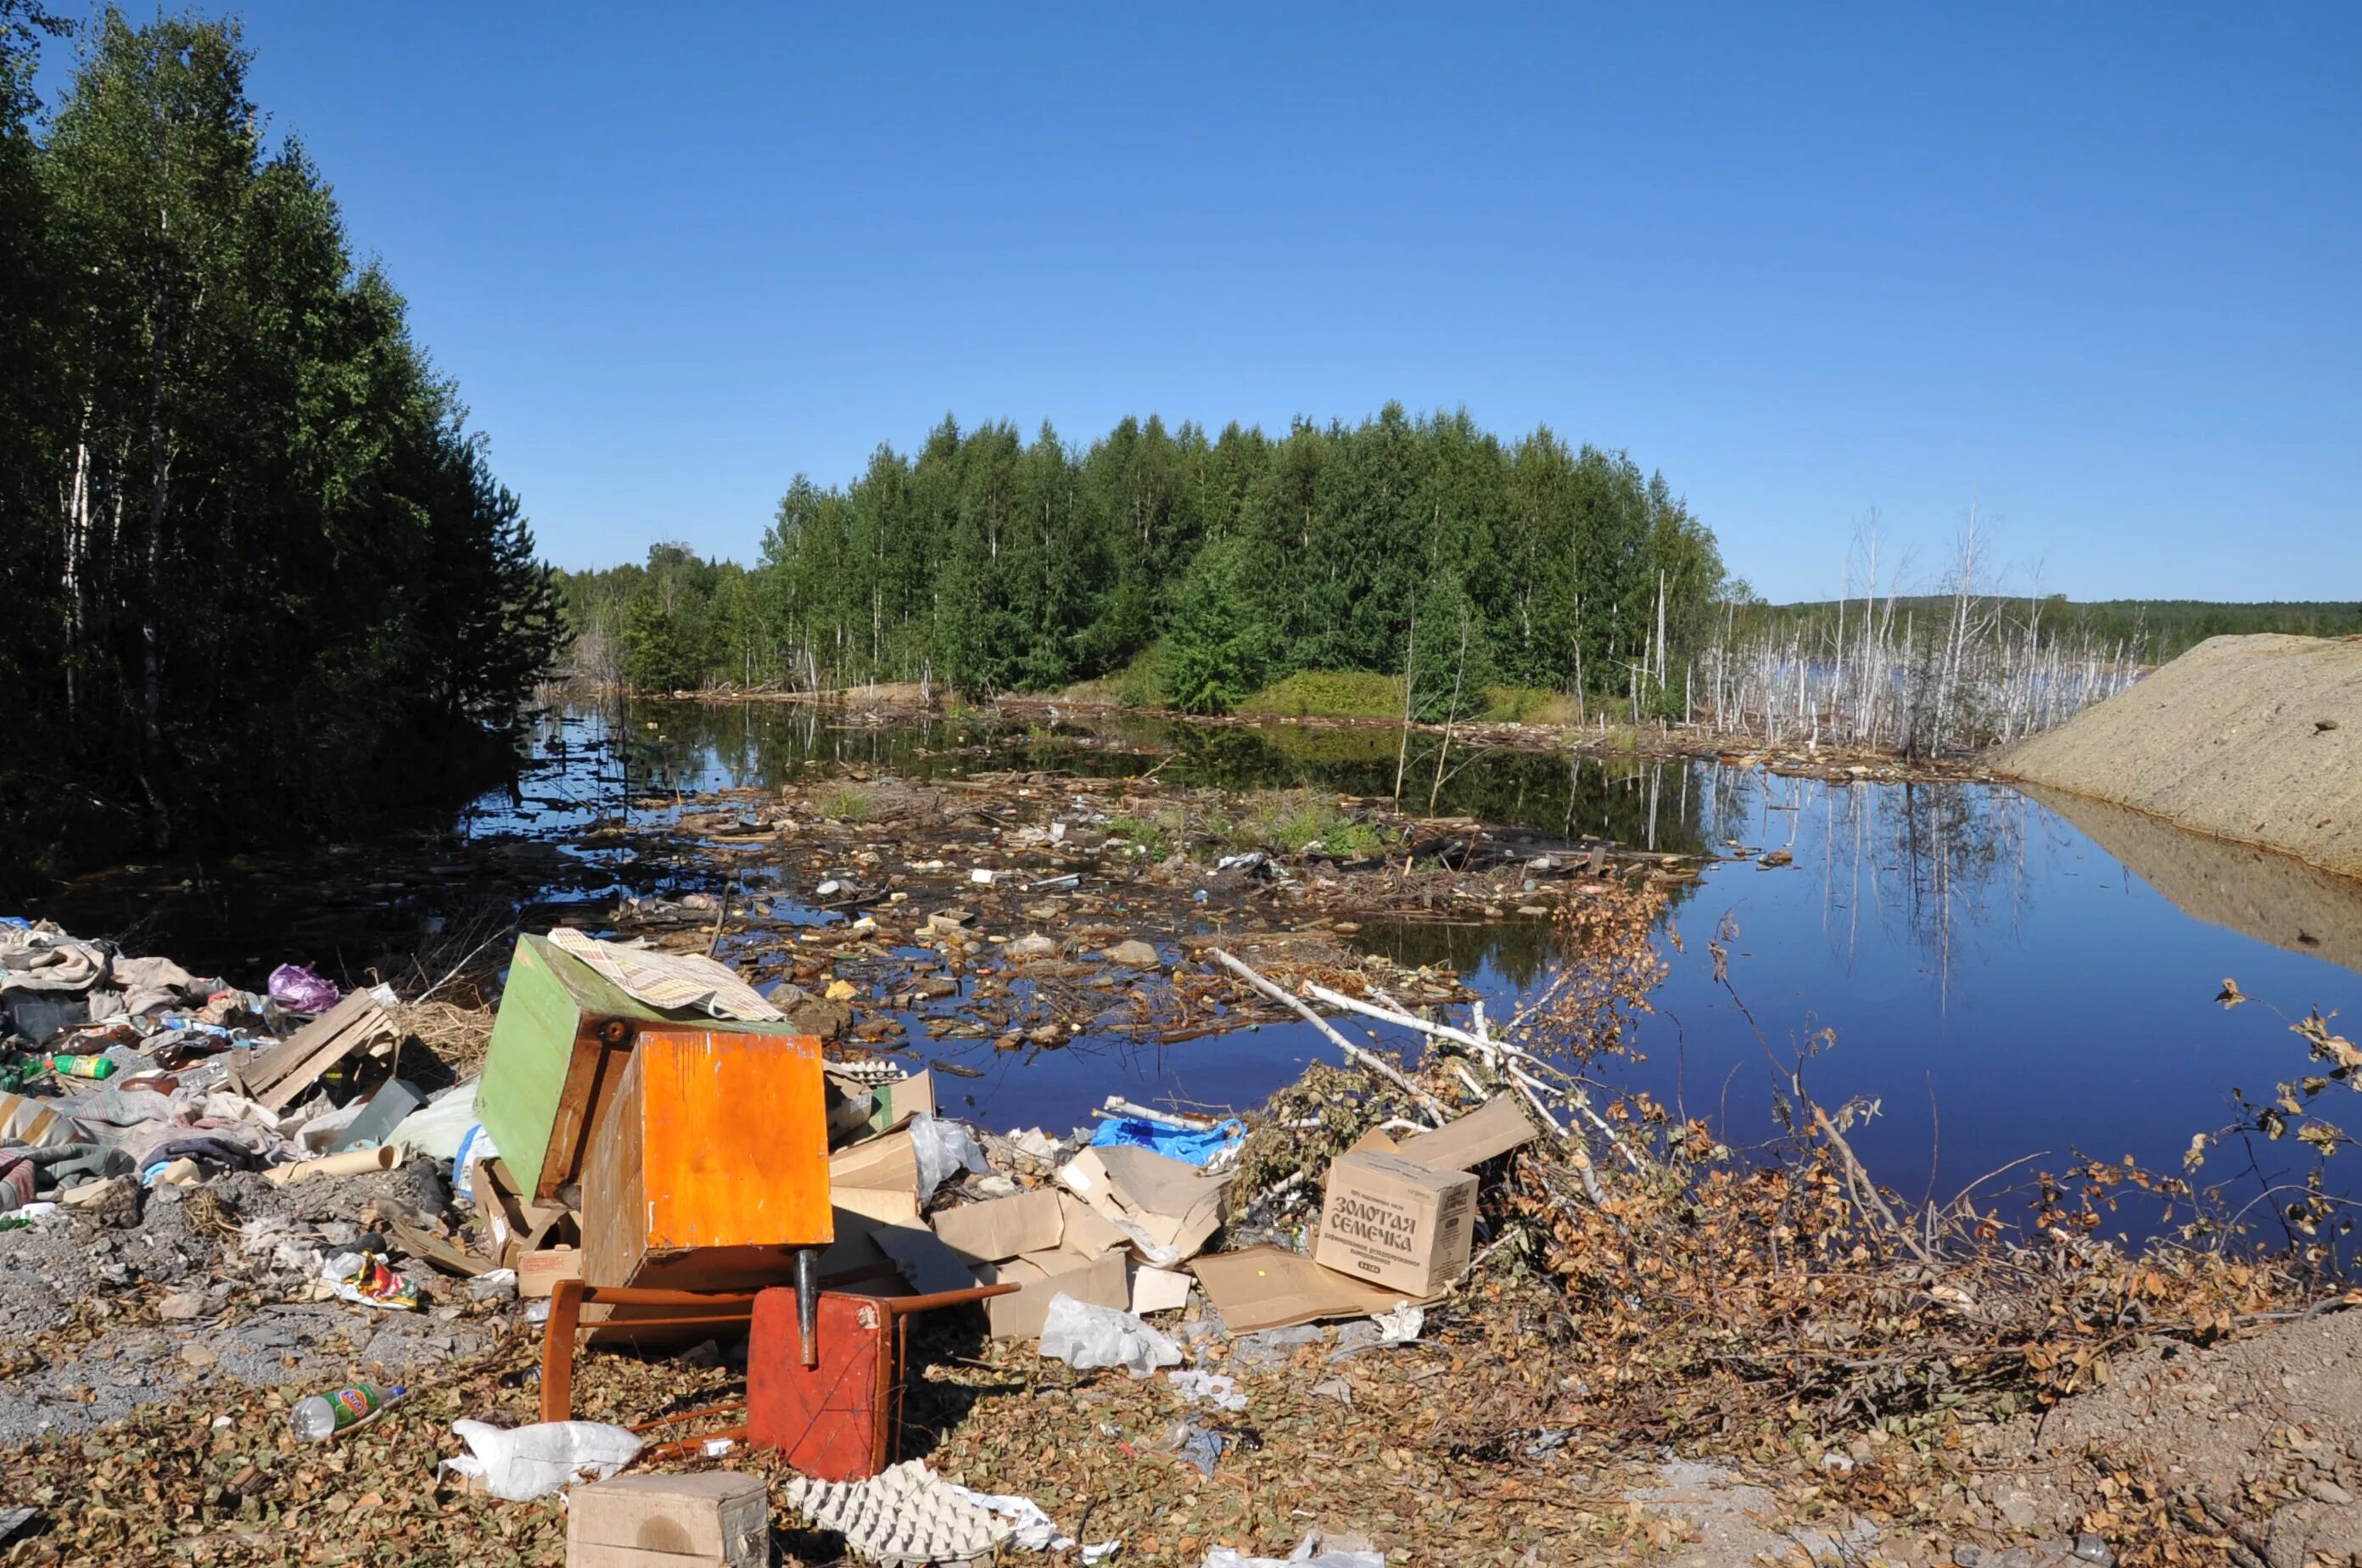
x: 1358, y: 1055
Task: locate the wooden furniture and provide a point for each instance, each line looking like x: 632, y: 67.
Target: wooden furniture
x: 558, y: 1049
x: 708, y: 1165
x: 832, y: 1403
x: 833, y: 1408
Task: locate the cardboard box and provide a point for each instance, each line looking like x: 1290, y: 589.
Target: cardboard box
x: 878, y: 1177
x: 538, y: 1273
x: 1394, y: 1223
x: 1098, y: 1282
x: 670, y: 1521
x: 987, y: 1233
x: 1166, y: 1207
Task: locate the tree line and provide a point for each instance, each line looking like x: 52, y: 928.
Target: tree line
x: 258, y: 575
x: 1211, y: 565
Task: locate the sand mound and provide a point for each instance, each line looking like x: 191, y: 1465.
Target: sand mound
x: 2258, y: 740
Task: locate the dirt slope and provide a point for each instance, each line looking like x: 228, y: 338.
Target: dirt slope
x: 2257, y: 739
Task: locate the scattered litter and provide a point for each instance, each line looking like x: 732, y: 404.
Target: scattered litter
x: 1086, y: 1337
x: 364, y: 1278
x: 1190, y: 1146
x: 1316, y: 1550
x: 298, y: 989
x: 1213, y: 1387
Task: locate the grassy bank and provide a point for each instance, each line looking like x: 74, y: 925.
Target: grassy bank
x: 1326, y: 694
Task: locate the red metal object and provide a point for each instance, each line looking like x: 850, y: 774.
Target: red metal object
x: 838, y: 1419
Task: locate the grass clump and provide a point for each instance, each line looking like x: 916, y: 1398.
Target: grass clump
x: 1153, y: 837
x: 1329, y: 694
x: 1296, y: 821
x: 845, y: 804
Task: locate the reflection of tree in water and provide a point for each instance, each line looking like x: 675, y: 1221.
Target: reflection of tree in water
x: 1520, y: 953
x: 1929, y: 862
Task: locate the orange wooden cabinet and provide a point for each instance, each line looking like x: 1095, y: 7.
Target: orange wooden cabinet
x: 709, y: 1166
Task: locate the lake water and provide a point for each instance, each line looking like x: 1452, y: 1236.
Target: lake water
x: 2005, y: 978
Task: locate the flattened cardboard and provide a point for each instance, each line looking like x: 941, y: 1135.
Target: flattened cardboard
x: 1089, y: 1232
x: 987, y: 1233
x: 1490, y: 1130
x: 1158, y: 1290
x: 1271, y: 1287
x: 1374, y: 1139
x: 1396, y: 1224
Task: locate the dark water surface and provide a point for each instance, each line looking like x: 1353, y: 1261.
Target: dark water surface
x: 2006, y: 978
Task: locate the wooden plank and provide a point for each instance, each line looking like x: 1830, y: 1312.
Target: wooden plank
x: 433, y: 1249
x: 372, y: 1026
x: 262, y: 1069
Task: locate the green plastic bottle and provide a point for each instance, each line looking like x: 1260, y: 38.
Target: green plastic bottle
x: 84, y: 1066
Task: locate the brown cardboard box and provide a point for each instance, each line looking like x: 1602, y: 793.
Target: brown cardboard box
x: 538, y: 1273
x: 670, y: 1521
x: 1029, y: 1222
x: 1098, y: 1282
x: 1394, y: 1223
x: 878, y: 1177
x: 1170, y: 1207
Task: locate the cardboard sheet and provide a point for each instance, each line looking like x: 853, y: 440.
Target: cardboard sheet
x: 1158, y: 1290
x: 1490, y: 1130
x: 1271, y: 1287
x: 1174, y: 1206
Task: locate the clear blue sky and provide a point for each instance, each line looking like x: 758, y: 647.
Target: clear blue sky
x: 2095, y: 268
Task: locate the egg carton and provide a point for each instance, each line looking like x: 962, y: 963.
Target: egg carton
x: 870, y: 1070
x: 905, y: 1516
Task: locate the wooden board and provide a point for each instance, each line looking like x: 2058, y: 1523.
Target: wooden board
x: 277, y: 1077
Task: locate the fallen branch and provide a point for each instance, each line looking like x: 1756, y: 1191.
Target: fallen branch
x: 1354, y: 1053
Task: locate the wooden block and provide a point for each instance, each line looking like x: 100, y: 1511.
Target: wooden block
x: 670, y: 1521
x: 710, y: 1165
x: 556, y: 1058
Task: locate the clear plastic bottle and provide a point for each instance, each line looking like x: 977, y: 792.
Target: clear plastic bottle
x: 324, y: 1415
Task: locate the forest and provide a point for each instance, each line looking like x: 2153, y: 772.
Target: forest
x: 1199, y: 568
x: 260, y: 577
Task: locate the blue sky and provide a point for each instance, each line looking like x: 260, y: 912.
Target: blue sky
x: 2094, y: 267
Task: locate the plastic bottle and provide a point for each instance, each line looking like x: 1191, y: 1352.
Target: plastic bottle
x: 84, y: 1066
x: 324, y: 1415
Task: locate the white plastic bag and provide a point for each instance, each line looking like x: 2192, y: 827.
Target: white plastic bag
x: 942, y: 1148
x: 520, y: 1464
x: 434, y: 1130
x: 1312, y: 1551
x: 1084, y: 1336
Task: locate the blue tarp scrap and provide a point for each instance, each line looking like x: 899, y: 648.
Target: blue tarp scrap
x: 1175, y: 1142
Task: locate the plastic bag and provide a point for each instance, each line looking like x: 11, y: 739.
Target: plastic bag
x: 1084, y: 1337
x: 298, y: 989
x: 520, y: 1464
x: 1312, y: 1551
x: 943, y: 1149
x: 1211, y: 1386
x: 475, y: 1144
